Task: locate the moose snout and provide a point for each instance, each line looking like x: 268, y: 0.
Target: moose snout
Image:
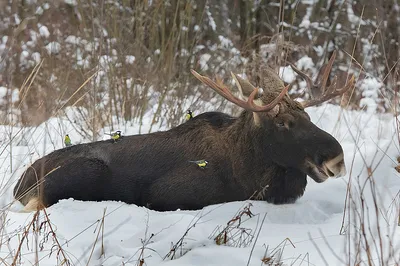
x: 335, y: 167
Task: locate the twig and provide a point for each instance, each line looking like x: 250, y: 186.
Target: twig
x: 35, y: 216
x: 317, y: 248
x: 60, y: 249
x: 255, y: 241
x: 101, y: 228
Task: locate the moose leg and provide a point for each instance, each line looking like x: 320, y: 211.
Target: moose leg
x: 287, y: 188
x: 79, y: 178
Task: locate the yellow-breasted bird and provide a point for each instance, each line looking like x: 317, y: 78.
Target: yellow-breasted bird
x: 116, y: 135
x: 201, y: 163
x: 67, y: 141
x: 189, y: 114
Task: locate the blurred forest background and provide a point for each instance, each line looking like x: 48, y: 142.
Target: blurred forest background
x: 122, y: 59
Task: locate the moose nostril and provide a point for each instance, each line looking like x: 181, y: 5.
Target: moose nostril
x: 330, y: 173
x: 336, y: 166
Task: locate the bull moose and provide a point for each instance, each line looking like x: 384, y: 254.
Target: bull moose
x: 265, y: 153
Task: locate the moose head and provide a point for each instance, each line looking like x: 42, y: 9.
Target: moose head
x: 284, y: 131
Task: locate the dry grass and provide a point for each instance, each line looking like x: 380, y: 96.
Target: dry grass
x: 235, y: 233
x: 98, y: 41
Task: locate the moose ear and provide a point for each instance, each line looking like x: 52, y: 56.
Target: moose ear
x: 275, y: 111
x: 245, y: 87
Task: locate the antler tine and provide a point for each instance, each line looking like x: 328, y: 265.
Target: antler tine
x: 327, y: 93
x: 222, y: 90
x: 219, y: 87
x: 325, y: 75
x: 303, y: 75
x: 333, y: 92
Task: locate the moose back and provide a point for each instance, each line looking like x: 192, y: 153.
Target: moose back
x: 266, y: 153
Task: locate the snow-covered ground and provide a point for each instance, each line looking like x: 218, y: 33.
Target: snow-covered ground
x: 311, y: 226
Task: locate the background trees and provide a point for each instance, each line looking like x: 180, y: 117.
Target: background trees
x: 134, y: 57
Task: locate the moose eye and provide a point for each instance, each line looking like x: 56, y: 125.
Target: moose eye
x: 280, y: 124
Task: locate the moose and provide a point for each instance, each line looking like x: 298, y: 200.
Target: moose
x: 266, y: 153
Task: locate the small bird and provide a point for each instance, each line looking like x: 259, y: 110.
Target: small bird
x: 189, y: 114
x: 67, y: 141
x: 201, y: 163
x: 115, y: 135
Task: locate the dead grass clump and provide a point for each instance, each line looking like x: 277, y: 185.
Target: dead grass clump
x: 235, y: 234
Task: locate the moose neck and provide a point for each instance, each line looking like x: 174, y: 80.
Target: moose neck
x: 249, y: 157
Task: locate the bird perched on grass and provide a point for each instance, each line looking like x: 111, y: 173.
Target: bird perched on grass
x: 189, y: 114
x: 200, y: 163
x: 115, y: 135
x: 67, y: 141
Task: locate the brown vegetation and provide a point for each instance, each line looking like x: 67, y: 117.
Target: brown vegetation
x: 140, y: 54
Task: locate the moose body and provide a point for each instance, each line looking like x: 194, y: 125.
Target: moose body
x: 258, y: 155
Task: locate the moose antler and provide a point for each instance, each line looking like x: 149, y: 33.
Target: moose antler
x: 327, y: 93
x: 222, y: 90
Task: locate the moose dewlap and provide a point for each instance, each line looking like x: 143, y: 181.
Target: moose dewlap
x: 266, y: 153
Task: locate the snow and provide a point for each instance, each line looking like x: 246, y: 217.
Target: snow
x: 44, y: 31
x: 17, y: 19
x: 72, y: 39
x: 3, y: 91
x: 305, y: 23
x: 314, y: 220
x: 15, y: 96
x: 39, y: 11
x: 129, y: 59
x: 53, y: 48
x: 23, y: 56
x: 211, y: 21
x: 36, y: 57
x: 287, y: 74
x: 71, y: 2
x: 369, y: 88
x: 184, y: 52
x: 355, y: 20
x: 225, y: 42
x: 203, y: 61
x: 305, y: 63
x: 319, y: 50
x: 105, y: 62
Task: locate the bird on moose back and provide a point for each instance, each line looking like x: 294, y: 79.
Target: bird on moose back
x: 115, y: 136
x: 200, y: 163
x: 271, y: 143
x: 189, y: 115
x: 67, y: 141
